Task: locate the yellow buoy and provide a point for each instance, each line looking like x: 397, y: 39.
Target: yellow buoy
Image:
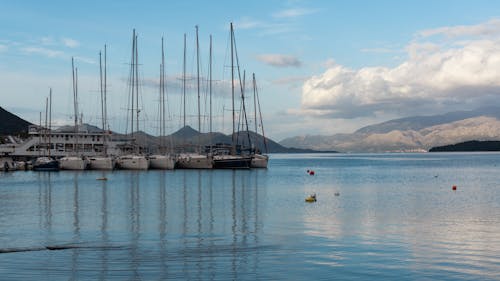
x: 311, y: 198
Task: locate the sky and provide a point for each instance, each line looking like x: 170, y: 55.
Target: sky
x: 321, y: 67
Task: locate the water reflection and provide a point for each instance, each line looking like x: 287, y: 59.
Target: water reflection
x: 136, y: 225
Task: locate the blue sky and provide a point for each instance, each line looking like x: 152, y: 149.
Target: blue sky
x: 322, y: 67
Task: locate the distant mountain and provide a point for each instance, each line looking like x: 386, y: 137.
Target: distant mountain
x: 189, y: 137
x: 11, y: 124
x: 469, y: 146
x: 417, y: 123
x: 418, y: 133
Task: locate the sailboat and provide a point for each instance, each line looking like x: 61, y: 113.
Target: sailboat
x: 104, y: 161
x: 162, y: 160
x: 194, y: 160
x: 74, y: 162
x: 45, y: 162
x: 225, y: 157
x: 135, y: 160
x: 259, y: 160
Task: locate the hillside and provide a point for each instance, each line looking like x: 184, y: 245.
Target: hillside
x: 418, y: 133
x: 11, y: 124
x: 469, y: 146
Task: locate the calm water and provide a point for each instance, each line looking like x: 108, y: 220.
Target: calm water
x: 395, y: 218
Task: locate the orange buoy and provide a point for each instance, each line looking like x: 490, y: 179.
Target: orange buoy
x: 454, y: 187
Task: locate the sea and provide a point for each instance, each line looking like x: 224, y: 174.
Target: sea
x: 391, y: 216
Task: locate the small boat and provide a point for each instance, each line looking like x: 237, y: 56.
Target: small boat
x: 311, y: 198
x: 259, y: 161
x: 45, y: 164
x: 7, y: 164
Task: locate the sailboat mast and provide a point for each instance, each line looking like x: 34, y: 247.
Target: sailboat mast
x: 184, y: 83
x: 75, y: 106
x: 45, y: 130
x: 210, y: 82
x: 254, y: 102
x: 75, y: 117
x: 260, y: 114
x: 137, y: 84
x: 232, y: 84
x: 50, y: 119
x: 105, y: 116
x: 162, y: 90
x: 132, y: 73
x: 101, y: 90
x: 198, y: 78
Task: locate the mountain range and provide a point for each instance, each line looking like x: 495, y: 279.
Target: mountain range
x: 11, y: 124
x: 417, y: 133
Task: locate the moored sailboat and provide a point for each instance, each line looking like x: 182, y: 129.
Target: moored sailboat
x: 231, y: 158
x: 104, y: 161
x: 193, y: 160
x: 259, y: 160
x: 135, y: 160
x: 45, y: 162
x: 162, y: 160
x: 74, y: 162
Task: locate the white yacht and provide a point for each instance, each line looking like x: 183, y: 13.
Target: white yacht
x: 102, y: 163
x: 132, y: 162
x: 259, y: 161
x: 163, y: 162
x: 73, y: 163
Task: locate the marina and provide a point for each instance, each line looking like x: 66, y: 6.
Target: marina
x: 376, y: 217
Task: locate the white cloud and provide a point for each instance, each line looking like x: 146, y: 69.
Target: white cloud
x: 280, y: 60
x: 293, y: 12
x: 489, y: 28
x: 43, y: 51
x: 85, y: 60
x: 435, y: 77
x: 70, y: 43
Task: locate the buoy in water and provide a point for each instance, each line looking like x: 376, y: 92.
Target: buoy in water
x: 454, y: 187
x: 311, y: 198
x: 311, y: 173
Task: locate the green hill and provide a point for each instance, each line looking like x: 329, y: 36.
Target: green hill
x: 469, y: 146
x: 10, y: 124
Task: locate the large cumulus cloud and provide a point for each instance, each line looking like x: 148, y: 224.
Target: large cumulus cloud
x: 450, y: 72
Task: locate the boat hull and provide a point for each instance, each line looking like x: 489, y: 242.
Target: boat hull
x: 133, y: 162
x: 259, y: 161
x: 102, y: 163
x: 232, y: 162
x: 194, y: 161
x: 73, y: 163
x: 46, y: 164
x: 162, y: 162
